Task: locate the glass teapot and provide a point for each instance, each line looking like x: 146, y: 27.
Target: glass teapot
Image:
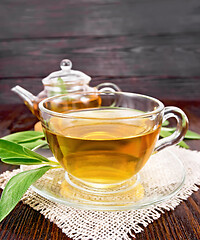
x: 61, y: 82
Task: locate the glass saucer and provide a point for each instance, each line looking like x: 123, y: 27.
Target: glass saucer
x: 161, y: 178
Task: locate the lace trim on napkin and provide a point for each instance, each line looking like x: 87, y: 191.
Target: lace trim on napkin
x: 98, y: 225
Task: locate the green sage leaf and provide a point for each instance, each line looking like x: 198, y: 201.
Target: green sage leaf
x: 166, y: 133
x: 166, y: 129
x: 25, y: 136
x: 189, y: 134
x: 16, y: 187
x: 22, y: 161
x: 192, y: 135
x: 10, y: 149
x: 32, y: 144
x: 165, y: 123
x: 61, y: 85
x: 183, y: 145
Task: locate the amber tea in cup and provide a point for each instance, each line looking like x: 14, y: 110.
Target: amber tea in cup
x: 102, y: 147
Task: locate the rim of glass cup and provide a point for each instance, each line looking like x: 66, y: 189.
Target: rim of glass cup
x: 67, y: 115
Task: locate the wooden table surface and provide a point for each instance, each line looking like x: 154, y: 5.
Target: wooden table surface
x: 144, y: 46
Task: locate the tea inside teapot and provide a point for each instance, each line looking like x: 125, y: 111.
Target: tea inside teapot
x: 63, y: 81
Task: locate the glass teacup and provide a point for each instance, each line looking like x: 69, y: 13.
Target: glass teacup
x: 103, y: 139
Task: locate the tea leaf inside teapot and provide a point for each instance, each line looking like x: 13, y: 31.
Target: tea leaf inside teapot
x: 59, y: 89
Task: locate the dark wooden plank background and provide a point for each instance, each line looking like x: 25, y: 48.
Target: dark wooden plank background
x: 144, y: 46
x: 144, y: 42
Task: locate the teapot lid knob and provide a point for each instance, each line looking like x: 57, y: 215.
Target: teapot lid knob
x: 66, y: 64
x: 67, y: 75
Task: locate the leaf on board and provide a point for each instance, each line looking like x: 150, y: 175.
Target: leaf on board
x: 32, y: 144
x: 16, y: 187
x: 164, y: 133
x: 165, y: 123
x: 183, y: 145
x: 24, y: 136
x: 22, y: 161
x: 192, y: 135
x: 10, y: 149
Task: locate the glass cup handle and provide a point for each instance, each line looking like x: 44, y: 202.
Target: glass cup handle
x: 181, y: 127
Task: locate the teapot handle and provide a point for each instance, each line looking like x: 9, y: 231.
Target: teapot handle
x: 108, y: 87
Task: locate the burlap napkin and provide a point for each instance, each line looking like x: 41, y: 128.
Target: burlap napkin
x: 88, y: 224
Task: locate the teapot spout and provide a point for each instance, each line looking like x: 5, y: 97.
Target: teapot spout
x: 27, y: 97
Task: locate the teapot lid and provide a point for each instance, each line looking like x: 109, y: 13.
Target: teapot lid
x: 66, y: 74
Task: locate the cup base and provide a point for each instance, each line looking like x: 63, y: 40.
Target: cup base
x: 104, y: 195
x: 101, y: 189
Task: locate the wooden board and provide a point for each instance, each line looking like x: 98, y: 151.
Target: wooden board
x: 144, y: 46
x: 152, y: 55
x: 163, y: 88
